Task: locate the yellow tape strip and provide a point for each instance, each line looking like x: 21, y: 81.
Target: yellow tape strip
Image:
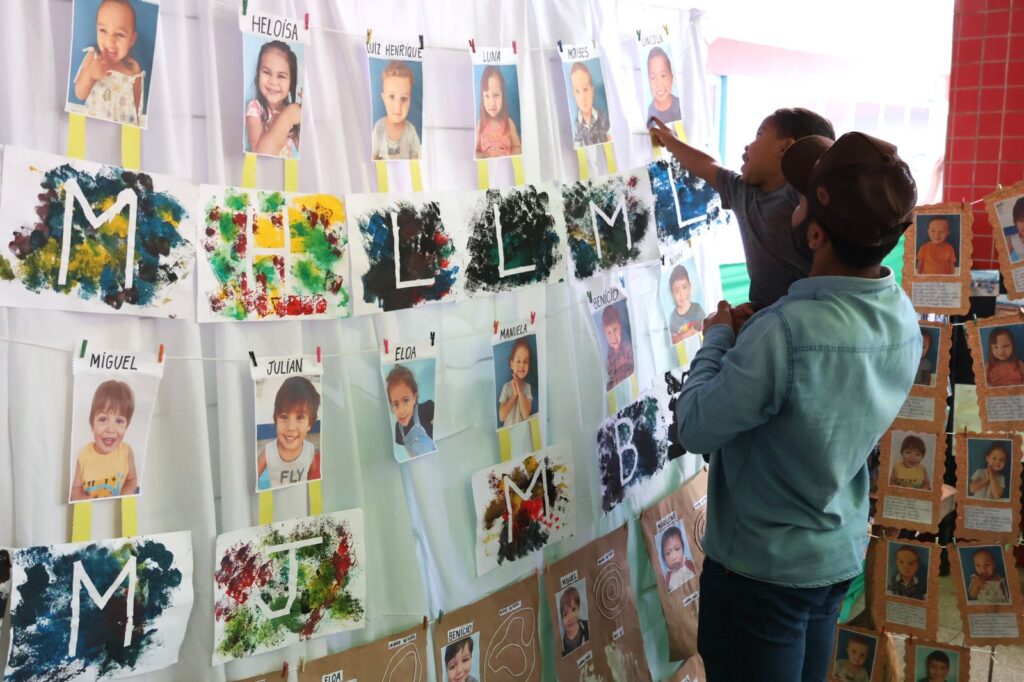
x: 505, y: 445
x: 291, y: 175
x: 129, y: 517
x: 81, y: 520
x: 517, y: 170
x: 382, y: 175
x: 535, y: 434
x: 581, y: 156
x: 634, y: 386
x: 609, y: 157
x: 417, y: 175
x: 612, y: 409
x: 266, y: 507
x: 131, y: 147
x: 682, y: 355
x: 483, y: 180
x: 249, y: 171
x: 680, y: 130
x: 316, y: 498
x: 76, y: 136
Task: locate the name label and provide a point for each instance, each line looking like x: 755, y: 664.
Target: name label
x: 510, y: 608
x: 618, y: 633
x: 460, y: 632
x: 569, y: 579
x: 584, y: 659
x: 273, y: 26
x: 285, y: 366
x: 124, y: 362
x: 491, y: 56
x: 666, y: 521
x: 395, y: 50
x: 578, y: 52
x: 606, y: 557
x: 701, y: 502
x: 336, y: 676
x: 395, y: 643
x: 405, y: 353
x: 690, y: 598
x: 651, y: 39
x: 605, y: 298
x: 506, y: 333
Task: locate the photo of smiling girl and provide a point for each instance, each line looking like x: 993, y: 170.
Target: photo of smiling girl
x: 409, y: 375
x: 273, y: 111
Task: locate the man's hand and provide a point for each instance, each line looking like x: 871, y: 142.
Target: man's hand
x: 722, y: 316
x: 740, y: 315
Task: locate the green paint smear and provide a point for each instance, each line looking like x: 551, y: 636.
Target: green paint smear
x: 271, y: 202
x: 6, y: 272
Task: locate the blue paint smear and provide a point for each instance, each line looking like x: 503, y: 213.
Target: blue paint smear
x: 698, y: 202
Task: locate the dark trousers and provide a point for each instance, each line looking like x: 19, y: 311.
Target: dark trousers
x: 752, y: 630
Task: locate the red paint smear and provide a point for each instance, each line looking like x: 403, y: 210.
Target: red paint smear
x: 632, y: 182
x: 240, y: 569
x: 440, y: 238
x: 239, y: 245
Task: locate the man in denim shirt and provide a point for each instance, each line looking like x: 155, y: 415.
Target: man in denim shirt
x: 791, y: 407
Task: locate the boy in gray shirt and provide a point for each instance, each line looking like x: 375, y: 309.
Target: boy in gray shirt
x: 760, y: 197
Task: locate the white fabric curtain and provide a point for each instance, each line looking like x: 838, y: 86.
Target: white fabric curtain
x: 199, y: 473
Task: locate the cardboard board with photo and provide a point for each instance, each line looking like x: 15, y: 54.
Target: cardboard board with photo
x: 925, y: 406
x: 997, y: 355
x: 986, y: 587
x: 396, y: 97
x: 399, y: 656
x: 908, y: 587
x: 926, y: 660
x: 937, y: 258
x: 988, y: 489
x: 1005, y: 209
x: 585, y: 94
x: 911, y: 467
x: 409, y: 372
x: 499, y: 122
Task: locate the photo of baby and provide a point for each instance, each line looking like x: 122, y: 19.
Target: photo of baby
x: 929, y: 357
x: 908, y: 571
x: 615, y: 338
x: 990, y: 466
x: 515, y: 376
x: 984, y: 574
x: 109, y: 433
x: 574, y: 623
x: 588, y: 103
x: 936, y: 665
x: 938, y: 244
x: 273, y: 77
x: 675, y: 558
x: 396, y: 108
x: 913, y: 460
x: 661, y: 91
x: 409, y: 387
x: 1003, y: 365
x: 497, y: 110
x: 112, y: 47
x: 855, y: 656
x: 462, y: 659
x: 287, y: 431
x: 680, y: 296
x: 1011, y: 218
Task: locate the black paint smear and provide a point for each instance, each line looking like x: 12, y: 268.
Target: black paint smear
x: 579, y: 223
x: 697, y: 199
x: 529, y: 238
x: 674, y: 387
x: 645, y: 416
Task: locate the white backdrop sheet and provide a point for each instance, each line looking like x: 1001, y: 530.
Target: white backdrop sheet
x: 419, y: 516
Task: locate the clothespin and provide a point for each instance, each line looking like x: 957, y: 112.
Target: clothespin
x: 440, y: 615
x: 319, y: 357
x: 638, y: 34
x: 369, y: 35
x: 284, y: 669
x: 590, y: 297
x: 622, y: 281
x: 81, y: 353
x: 252, y: 356
x: 302, y: 659
x: 495, y: 326
x: 425, y: 622
x: 386, y: 351
x: 515, y: 48
x: 245, y: 7
x: 559, y: 45
x: 160, y: 355
x: 421, y: 41
x: 662, y: 259
x: 431, y: 338
x: 472, y: 46
x: 666, y: 28
x: 307, y: 28
x: 595, y: 43
x: 533, y: 317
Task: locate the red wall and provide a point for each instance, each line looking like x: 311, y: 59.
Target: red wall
x: 985, y: 138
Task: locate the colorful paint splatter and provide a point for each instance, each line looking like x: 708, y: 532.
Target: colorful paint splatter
x: 43, y: 599
x: 585, y: 202
x: 256, y: 611
x: 530, y: 246
x: 523, y: 505
x: 425, y: 253
x: 631, y: 447
x: 684, y: 205
x: 272, y: 255
x: 97, y: 254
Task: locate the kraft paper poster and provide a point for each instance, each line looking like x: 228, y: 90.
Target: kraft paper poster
x: 925, y: 406
x: 912, y: 465
x: 287, y: 582
x: 673, y: 530
x: 523, y: 505
x: 907, y: 587
x: 585, y: 92
x: 986, y: 586
x: 609, y: 310
x: 659, y: 83
x: 683, y: 301
x: 1006, y: 213
x: 287, y: 406
x: 85, y: 237
x: 99, y: 610
x: 857, y: 654
x: 409, y: 372
x: 112, y: 55
x: 632, y: 446
x: 401, y: 657
x: 396, y: 98
x: 691, y: 671
x: 927, y: 660
x: 271, y: 255
x: 273, y: 79
x: 593, y: 613
x: 114, y: 397
x: 402, y: 253
x: 495, y: 639
x: 937, y: 259
x: 685, y: 206
x: 988, y: 487
x: 609, y: 222
x: 496, y: 90
x: 997, y: 348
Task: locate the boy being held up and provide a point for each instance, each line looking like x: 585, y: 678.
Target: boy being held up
x: 760, y: 197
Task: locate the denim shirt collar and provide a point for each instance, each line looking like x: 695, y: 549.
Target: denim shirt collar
x: 809, y: 287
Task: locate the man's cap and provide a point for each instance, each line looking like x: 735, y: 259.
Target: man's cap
x: 856, y: 187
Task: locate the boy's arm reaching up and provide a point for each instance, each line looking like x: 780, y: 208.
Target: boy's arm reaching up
x: 694, y: 160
